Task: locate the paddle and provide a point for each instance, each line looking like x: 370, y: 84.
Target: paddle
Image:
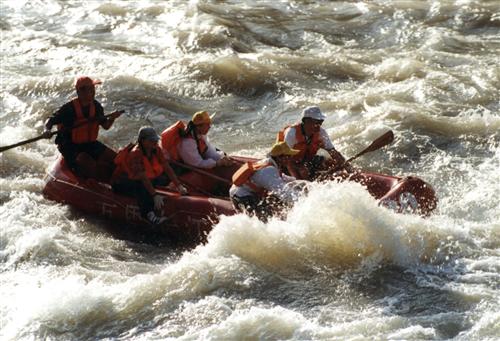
x: 43, y: 136
x: 200, y: 171
x: 380, y: 142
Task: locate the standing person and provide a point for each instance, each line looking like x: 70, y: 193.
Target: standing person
x: 308, y: 137
x: 78, y: 124
x: 260, y: 188
x: 139, y: 168
x: 193, y: 146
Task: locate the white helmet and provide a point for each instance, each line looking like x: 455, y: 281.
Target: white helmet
x: 313, y: 112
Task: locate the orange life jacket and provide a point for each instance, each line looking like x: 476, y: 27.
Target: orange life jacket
x: 86, y: 132
x: 307, y: 149
x: 170, y: 139
x: 153, y: 167
x: 244, y: 173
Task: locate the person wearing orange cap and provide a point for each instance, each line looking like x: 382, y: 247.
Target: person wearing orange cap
x: 308, y: 137
x: 261, y: 187
x: 194, y: 147
x: 78, y: 124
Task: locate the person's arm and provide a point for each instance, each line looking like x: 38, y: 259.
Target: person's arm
x: 326, y: 144
x: 211, y: 152
x: 146, y: 182
x: 106, y: 123
x: 218, y: 155
x: 338, y: 159
x: 64, y: 116
x: 172, y: 176
x: 188, y: 151
x: 61, y: 116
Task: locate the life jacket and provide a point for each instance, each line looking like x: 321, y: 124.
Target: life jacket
x: 244, y: 173
x: 307, y: 148
x: 201, y: 145
x: 153, y: 168
x: 170, y: 139
x: 83, y: 133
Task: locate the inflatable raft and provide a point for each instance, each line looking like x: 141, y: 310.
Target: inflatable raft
x: 191, y: 217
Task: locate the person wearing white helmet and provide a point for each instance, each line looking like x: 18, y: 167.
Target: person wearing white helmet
x: 308, y: 137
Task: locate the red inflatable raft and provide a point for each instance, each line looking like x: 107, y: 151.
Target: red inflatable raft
x: 191, y: 217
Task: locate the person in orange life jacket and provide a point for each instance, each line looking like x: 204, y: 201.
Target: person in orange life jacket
x: 195, y: 149
x: 308, y: 137
x: 139, y: 168
x: 254, y: 184
x: 82, y: 152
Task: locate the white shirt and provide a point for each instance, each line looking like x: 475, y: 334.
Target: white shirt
x: 188, y: 151
x: 291, y: 139
x: 270, y: 179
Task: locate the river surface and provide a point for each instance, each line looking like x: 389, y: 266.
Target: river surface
x: 339, y: 267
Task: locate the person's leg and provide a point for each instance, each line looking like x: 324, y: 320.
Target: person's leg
x: 146, y: 205
x: 136, y: 189
x: 86, y: 155
x: 161, y: 180
x: 86, y: 165
x: 104, y: 157
x: 144, y: 199
x: 69, y: 153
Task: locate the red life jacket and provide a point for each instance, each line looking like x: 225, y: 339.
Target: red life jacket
x: 244, y: 173
x: 170, y: 139
x: 86, y: 132
x: 152, y: 167
x: 307, y: 150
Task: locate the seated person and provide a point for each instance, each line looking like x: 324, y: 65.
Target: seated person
x: 191, y: 145
x: 78, y: 124
x: 308, y: 137
x: 139, y: 168
x: 260, y: 187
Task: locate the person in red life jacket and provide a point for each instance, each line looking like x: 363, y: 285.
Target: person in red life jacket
x: 260, y: 188
x: 194, y: 147
x: 308, y: 137
x: 78, y: 124
x: 139, y: 168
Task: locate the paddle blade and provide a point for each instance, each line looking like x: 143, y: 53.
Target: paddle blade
x: 380, y: 142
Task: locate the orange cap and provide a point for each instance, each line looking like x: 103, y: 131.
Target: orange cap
x: 85, y: 81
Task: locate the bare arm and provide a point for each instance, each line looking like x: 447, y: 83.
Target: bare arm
x: 147, y: 183
x: 170, y: 173
x: 337, y: 158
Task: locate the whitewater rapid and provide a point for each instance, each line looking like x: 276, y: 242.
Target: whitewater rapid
x: 338, y: 266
